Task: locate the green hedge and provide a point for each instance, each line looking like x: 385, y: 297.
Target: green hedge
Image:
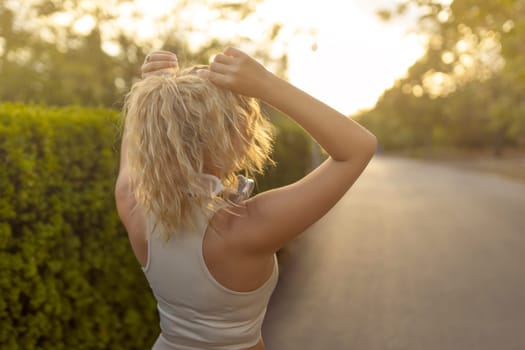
x: 292, y: 153
x: 69, y: 279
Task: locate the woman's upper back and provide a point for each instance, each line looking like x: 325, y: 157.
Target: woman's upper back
x: 196, y: 309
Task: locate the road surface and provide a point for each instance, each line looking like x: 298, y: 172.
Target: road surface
x: 416, y: 256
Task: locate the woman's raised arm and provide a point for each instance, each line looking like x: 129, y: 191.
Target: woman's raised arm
x: 275, y: 217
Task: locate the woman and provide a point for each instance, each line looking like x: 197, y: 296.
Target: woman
x: 207, y: 251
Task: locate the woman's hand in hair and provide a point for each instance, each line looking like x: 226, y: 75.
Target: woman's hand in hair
x: 159, y: 62
x: 238, y: 72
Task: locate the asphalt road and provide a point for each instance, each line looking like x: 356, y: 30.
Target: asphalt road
x: 415, y: 256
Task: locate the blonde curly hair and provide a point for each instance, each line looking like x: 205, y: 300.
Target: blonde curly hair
x: 180, y: 127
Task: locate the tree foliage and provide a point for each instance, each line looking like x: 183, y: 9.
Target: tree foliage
x: 82, y: 52
x: 468, y: 90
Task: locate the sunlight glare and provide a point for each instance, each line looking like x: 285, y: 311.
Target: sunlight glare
x: 84, y: 25
x: 338, y: 51
x: 62, y: 18
x: 357, y: 56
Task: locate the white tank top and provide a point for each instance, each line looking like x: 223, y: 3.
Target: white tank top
x: 196, y: 312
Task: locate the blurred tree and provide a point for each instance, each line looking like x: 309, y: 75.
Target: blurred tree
x: 470, y: 84
x: 83, y: 52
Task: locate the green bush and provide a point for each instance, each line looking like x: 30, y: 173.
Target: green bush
x: 69, y: 279
x: 292, y: 153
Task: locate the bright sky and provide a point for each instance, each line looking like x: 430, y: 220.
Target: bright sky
x: 357, y: 56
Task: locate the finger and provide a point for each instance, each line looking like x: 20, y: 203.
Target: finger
x: 159, y: 58
x: 203, y: 73
x: 154, y: 53
x: 165, y: 52
x: 230, y: 51
x: 220, y: 58
x: 220, y: 68
x: 214, y: 77
x: 153, y: 66
x: 219, y: 79
x: 162, y: 57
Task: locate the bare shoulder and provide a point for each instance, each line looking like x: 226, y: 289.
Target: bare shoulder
x: 273, y: 218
